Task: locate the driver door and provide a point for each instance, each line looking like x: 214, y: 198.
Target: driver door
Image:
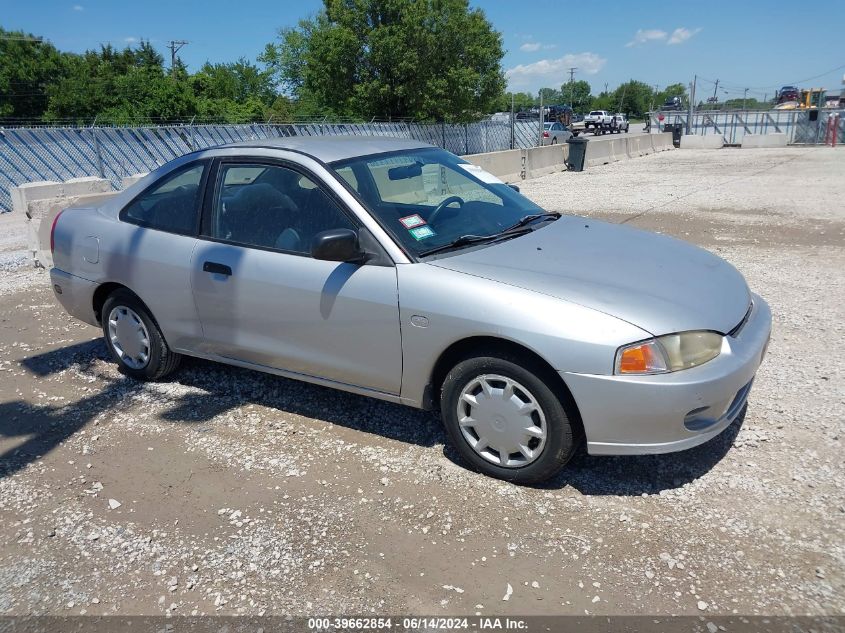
x: 264, y: 300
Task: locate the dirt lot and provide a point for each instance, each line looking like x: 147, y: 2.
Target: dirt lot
x: 227, y: 491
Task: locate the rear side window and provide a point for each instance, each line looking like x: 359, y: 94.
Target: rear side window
x: 172, y: 204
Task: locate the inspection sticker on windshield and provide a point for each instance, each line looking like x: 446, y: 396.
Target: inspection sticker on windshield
x: 421, y: 232
x: 478, y: 172
x: 410, y: 221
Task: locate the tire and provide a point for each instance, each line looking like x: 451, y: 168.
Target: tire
x: 530, y: 383
x: 554, y: 141
x: 159, y: 360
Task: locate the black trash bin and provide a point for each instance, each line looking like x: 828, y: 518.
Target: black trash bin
x: 677, y: 130
x: 577, y: 153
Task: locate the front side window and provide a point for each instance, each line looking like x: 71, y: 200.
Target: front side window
x: 172, y: 204
x: 272, y: 207
x: 427, y: 198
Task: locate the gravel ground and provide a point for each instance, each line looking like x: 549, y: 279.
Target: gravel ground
x: 227, y: 491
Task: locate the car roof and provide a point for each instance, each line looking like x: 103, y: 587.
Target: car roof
x: 333, y: 148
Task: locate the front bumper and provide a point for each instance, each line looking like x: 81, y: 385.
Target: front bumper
x: 663, y: 413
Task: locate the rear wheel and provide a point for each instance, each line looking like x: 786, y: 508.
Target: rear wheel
x: 134, y: 338
x: 505, y: 420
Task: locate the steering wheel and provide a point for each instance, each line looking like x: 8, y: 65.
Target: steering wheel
x: 443, y: 205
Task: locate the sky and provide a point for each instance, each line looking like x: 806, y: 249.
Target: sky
x: 759, y: 45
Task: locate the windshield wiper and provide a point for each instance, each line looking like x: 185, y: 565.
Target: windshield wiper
x: 528, y: 219
x: 514, y: 230
x: 465, y: 240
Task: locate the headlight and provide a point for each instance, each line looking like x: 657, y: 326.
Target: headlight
x: 668, y: 353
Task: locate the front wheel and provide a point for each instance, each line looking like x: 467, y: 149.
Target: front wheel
x: 506, y: 420
x: 134, y: 338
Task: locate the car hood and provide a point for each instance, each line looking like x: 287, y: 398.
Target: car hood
x: 658, y: 283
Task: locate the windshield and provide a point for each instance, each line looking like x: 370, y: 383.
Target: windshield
x: 428, y: 198
x: 595, y: 113
x: 547, y: 126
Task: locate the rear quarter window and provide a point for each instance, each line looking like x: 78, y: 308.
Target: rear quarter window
x: 171, y: 204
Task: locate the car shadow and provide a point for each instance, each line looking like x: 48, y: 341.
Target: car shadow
x: 636, y: 475
x: 212, y: 389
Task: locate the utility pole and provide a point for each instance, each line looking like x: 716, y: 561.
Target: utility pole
x: 744, y: 97
x: 512, y: 121
x: 715, y: 98
x: 175, y: 46
x: 622, y: 98
x: 571, y: 79
x: 542, y: 118
x: 691, y: 109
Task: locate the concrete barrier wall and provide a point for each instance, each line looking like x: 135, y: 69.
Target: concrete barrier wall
x: 507, y: 165
x: 44, y: 212
x: 764, y: 140
x: 703, y: 141
x: 638, y: 146
x: 540, y: 161
x: 22, y: 195
x: 128, y: 181
x: 41, y: 201
x: 661, y: 142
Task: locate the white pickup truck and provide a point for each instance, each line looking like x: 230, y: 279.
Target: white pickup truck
x: 599, y: 121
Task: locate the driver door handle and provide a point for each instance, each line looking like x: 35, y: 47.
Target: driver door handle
x: 219, y: 269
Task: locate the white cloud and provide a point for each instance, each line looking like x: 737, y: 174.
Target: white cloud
x: 553, y: 71
x: 646, y: 35
x: 681, y: 35
x: 130, y: 40
x: 78, y: 7
x: 530, y: 47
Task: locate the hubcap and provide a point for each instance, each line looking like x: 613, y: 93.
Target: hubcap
x: 129, y: 337
x: 502, y: 421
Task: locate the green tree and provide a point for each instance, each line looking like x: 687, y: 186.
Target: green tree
x: 632, y: 97
x: 576, y: 94
x: 672, y: 90
x: 426, y: 59
x: 521, y: 100
x: 550, y: 96
x: 27, y: 66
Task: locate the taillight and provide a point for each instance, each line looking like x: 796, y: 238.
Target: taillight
x: 53, y: 232
x: 545, y: 135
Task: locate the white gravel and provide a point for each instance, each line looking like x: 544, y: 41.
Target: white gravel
x: 237, y: 492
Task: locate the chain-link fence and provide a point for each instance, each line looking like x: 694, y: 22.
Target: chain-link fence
x: 800, y: 126
x: 29, y: 154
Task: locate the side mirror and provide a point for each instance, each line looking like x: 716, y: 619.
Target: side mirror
x: 514, y: 187
x: 338, y: 245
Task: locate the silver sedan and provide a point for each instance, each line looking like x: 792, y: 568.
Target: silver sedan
x: 396, y: 270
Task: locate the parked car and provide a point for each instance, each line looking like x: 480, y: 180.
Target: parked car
x: 620, y: 123
x: 396, y: 270
x: 554, y: 133
x: 599, y: 121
